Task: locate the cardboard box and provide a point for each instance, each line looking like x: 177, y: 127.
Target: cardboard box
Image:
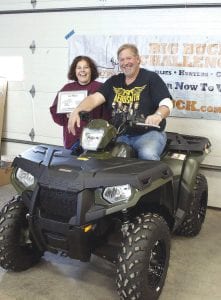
x: 5, y: 174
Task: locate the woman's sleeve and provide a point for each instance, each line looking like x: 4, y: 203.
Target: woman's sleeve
x: 60, y: 119
x: 101, y: 112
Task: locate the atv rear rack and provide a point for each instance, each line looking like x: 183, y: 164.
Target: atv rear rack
x: 187, y: 143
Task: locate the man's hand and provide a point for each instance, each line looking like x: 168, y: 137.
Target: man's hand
x: 74, y: 119
x: 153, y: 119
x: 87, y: 105
x: 161, y: 113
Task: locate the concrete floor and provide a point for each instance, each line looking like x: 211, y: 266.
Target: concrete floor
x: 194, y: 272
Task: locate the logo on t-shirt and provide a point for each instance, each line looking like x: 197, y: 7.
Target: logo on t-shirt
x: 127, y: 100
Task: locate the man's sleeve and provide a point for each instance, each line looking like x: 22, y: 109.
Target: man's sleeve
x: 106, y: 88
x: 158, y: 88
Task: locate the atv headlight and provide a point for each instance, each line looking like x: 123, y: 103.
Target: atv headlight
x: 91, y: 138
x: 24, y: 177
x: 117, y: 193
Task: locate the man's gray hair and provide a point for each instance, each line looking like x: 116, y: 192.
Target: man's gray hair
x: 132, y: 47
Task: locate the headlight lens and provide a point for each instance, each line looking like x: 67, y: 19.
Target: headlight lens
x: 91, y: 138
x: 117, y: 193
x: 25, y: 178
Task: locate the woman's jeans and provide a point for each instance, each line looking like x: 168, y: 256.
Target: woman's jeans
x: 149, y: 146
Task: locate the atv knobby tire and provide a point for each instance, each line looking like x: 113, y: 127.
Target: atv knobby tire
x: 196, y: 213
x: 17, y: 251
x: 142, y: 265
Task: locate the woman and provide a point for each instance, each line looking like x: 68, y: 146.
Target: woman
x: 84, y: 72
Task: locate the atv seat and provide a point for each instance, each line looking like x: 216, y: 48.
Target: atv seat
x: 176, y: 142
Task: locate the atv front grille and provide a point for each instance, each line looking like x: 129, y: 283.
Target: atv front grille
x: 57, y: 205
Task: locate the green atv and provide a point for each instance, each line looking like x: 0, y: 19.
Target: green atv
x: 105, y: 201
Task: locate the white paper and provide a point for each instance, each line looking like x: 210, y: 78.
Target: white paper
x: 67, y: 101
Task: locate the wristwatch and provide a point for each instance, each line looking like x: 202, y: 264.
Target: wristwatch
x: 159, y: 114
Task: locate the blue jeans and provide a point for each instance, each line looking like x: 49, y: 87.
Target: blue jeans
x: 149, y: 146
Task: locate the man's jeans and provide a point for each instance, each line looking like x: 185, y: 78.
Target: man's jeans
x: 149, y: 145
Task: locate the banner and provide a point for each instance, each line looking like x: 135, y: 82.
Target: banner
x: 190, y: 66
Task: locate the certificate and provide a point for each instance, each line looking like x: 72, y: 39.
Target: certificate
x: 67, y: 101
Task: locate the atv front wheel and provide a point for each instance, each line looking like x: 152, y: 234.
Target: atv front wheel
x: 17, y: 251
x: 196, y: 214
x: 142, y: 265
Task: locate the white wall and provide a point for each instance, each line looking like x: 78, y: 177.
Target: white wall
x: 47, y: 67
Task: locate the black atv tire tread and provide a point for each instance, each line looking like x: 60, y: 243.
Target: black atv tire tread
x: 195, y: 217
x: 131, y: 261
x: 13, y: 256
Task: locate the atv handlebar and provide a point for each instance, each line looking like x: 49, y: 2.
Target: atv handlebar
x: 133, y: 121
x: 146, y: 125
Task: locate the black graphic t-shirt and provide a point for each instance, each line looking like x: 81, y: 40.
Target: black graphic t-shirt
x: 141, y: 97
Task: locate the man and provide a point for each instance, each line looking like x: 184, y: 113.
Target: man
x: 135, y: 91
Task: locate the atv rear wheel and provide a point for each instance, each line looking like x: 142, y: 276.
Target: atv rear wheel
x: 142, y: 265
x: 196, y: 214
x: 17, y: 251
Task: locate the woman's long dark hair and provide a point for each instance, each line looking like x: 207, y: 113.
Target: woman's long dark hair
x: 91, y: 63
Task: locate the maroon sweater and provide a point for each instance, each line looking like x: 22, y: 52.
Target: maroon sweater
x: 61, y: 119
